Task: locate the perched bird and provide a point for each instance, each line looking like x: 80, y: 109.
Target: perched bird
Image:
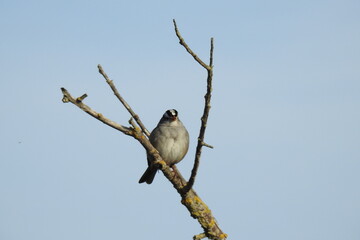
x: 171, y: 139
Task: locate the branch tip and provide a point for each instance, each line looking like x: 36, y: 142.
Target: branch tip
x: 65, y: 93
x: 199, y: 236
x: 131, y: 121
x: 211, y: 53
x: 188, y: 49
x: 77, y: 101
x: 100, y: 68
x: 207, y: 145
x: 80, y: 99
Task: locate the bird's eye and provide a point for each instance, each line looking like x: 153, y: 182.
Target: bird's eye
x: 169, y: 113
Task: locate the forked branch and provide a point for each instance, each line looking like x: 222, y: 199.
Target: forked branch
x: 197, y: 208
x: 207, y: 105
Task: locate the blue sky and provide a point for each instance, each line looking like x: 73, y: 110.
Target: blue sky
x: 284, y: 119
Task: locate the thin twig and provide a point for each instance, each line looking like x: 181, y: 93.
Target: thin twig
x: 78, y: 102
x: 207, y: 106
x: 207, y: 145
x: 199, y: 236
x: 122, y: 100
x: 211, y: 52
x: 188, y: 49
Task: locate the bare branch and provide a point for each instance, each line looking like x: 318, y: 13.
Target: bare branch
x: 122, y: 100
x: 207, y: 106
x: 197, y: 208
x: 78, y: 102
x: 199, y: 236
x: 182, y: 42
x: 207, y: 145
x: 211, y: 52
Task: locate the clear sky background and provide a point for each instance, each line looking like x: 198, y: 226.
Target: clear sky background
x: 284, y: 119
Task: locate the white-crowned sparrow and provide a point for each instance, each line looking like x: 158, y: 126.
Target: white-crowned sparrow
x: 171, y: 139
